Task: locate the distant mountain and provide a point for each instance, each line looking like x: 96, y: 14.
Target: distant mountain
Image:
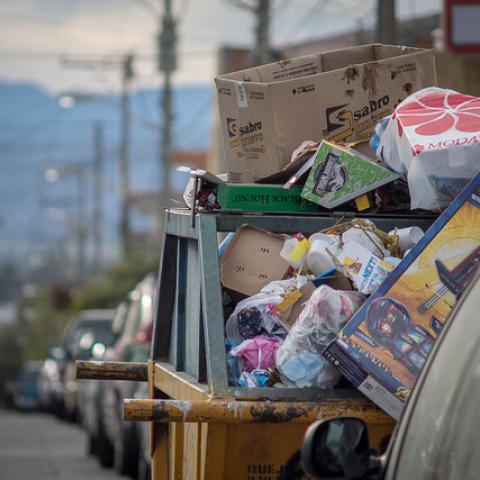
x: 37, y: 134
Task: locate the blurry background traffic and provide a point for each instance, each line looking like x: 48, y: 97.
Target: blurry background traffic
x: 100, y: 101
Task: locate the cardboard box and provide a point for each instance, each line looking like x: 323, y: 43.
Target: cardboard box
x: 339, y: 174
x: 252, y: 260
x: 267, y: 111
x: 263, y: 198
x: 384, y: 346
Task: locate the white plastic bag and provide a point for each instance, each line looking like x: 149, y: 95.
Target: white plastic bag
x: 433, y: 140
x: 299, y: 358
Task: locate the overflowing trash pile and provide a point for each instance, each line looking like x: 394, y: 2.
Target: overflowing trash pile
x: 367, y: 132
x: 276, y: 337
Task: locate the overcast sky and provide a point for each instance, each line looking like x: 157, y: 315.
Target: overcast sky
x: 35, y: 33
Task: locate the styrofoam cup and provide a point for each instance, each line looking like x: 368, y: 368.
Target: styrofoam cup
x: 407, y: 237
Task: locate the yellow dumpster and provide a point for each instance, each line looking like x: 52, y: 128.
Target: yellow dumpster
x: 201, y: 427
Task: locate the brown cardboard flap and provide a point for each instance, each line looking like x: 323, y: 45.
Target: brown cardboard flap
x: 318, y: 63
x: 306, y: 292
x: 335, y: 59
x: 252, y: 260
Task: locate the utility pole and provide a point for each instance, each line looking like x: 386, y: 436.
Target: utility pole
x: 167, y: 63
x: 81, y: 224
x: 126, y: 64
x: 386, y: 22
x: 97, y: 195
x: 124, y: 160
x: 262, y: 52
x: 78, y: 223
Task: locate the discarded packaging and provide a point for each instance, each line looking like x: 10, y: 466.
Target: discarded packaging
x: 366, y: 270
x: 368, y: 238
x: 340, y: 174
x: 294, y: 251
x: 208, y: 181
x: 384, y: 346
x: 319, y: 259
x: 298, y: 359
x: 251, y: 197
x: 407, y: 237
x: 252, y: 260
x: 267, y: 111
x: 433, y: 140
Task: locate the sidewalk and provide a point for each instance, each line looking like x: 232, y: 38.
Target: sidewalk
x: 40, y: 447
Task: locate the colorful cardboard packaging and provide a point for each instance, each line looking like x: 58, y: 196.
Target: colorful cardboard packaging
x: 340, y: 174
x: 263, y: 198
x: 384, y: 346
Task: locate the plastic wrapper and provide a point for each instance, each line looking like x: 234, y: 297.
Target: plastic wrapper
x: 256, y: 353
x: 260, y: 314
x: 366, y: 233
x: 233, y: 364
x: 367, y: 238
x: 432, y: 139
x: 255, y: 378
x: 299, y: 360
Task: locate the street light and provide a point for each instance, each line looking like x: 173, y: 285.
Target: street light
x: 78, y: 170
x: 51, y: 175
x: 68, y: 100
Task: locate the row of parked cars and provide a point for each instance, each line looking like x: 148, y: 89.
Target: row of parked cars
x: 121, y: 335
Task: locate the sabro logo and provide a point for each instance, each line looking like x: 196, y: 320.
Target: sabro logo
x: 340, y: 121
x: 234, y: 129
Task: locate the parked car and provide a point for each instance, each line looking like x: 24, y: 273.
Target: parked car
x: 133, y: 345
x: 91, y: 393
x: 25, y: 390
x: 50, y: 387
x: 87, y: 335
x: 439, y: 432
x: 144, y: 459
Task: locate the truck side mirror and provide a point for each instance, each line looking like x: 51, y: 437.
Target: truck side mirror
x: 336, y: 449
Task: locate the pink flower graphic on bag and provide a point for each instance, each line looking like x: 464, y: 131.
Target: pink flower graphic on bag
x: 437, y: 112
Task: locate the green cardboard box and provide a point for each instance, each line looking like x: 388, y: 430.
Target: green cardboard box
x: 251, y: 197
x: 340, y: 174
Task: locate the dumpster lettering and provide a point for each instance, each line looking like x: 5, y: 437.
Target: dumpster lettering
x: 262, y: 471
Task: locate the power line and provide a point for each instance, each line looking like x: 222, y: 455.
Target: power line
x: 7, y: 16
x: 56, y: 56
x: 20, y: 111
x: 318, y: 7
x: 147, y: 6
x: 183, y: 9
x: 31, y: 130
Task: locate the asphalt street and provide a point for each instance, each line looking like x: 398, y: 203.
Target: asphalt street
x: 40, y: 447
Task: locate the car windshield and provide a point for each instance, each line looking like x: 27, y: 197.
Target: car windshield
x: 442, y: 434
x: 29, y: 373
x: 98, y: 331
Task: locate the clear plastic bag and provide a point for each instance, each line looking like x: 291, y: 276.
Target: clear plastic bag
x: 258, y: 315
x: 299, y: 360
